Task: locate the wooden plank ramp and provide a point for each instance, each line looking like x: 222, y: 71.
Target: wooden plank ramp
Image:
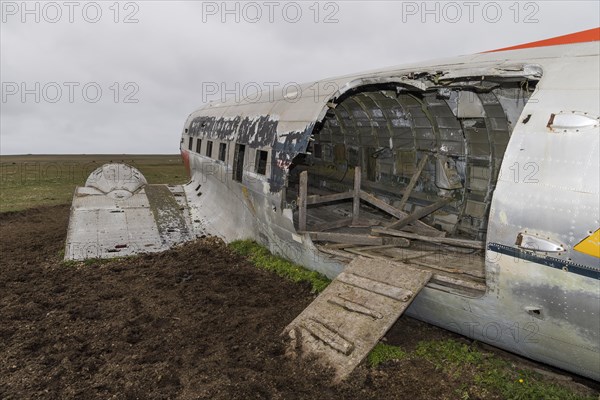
x: 343, y: 324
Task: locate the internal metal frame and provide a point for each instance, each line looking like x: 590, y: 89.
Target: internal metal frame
x: 388, y: 130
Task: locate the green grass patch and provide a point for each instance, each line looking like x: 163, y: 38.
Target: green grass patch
x: 490, y: 372
x: 448, y: 355
x: 382, y: 353
x: 262, y: 258
x: 39, y: 180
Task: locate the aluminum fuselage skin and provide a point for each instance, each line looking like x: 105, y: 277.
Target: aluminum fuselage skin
x: 545, y: 306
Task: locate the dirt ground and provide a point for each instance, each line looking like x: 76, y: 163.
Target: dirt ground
x: 195, y: 322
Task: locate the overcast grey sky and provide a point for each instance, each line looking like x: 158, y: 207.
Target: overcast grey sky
x: 155, y: 62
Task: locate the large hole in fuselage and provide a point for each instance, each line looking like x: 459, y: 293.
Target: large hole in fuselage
x: 462, y: 131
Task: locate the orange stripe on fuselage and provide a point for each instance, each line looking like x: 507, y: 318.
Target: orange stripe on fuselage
x: 591, y: 35
x: 186, y: 161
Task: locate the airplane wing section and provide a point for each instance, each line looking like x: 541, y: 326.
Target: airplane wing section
x: 117, y: 213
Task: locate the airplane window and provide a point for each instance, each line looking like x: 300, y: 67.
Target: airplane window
x: 261, y: 162
x: 191, y: 143
x: 222, y: 151
x: 238, y: 162
x: 209, y: 148
x: 198, y: 145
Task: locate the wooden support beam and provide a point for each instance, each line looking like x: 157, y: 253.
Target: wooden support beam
x: 417, y: 215
x: 336, y: 253
x: 471, y: 244
x: 413, y: 181
x: 429, y: 231
x: 317, y: 199
x: 383, y: 246
x: 356, y: 197
x: 356, y: 239
x: 394, y: 191
x: 340, y: 223
x: 365, y: 223
x: 420, y: 227
x: 345, y: 238
x: 436, y: 278
x: 302, y: 200
x: 364, y: 251
x: 359, y: 252
x: 409, y: 259
x: 382, y: 205
x: 336, y: 245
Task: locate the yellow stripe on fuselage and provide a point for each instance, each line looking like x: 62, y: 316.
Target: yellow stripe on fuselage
x: 590, y: 245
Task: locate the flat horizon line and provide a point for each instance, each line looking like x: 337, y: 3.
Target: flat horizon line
x: 91, y: 154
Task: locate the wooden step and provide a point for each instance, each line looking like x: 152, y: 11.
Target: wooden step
x: 343, y: 324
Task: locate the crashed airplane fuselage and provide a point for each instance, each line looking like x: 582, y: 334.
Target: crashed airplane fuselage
x: 511, y: 138
x: 482, y: 169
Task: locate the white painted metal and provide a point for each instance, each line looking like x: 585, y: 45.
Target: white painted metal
x: 112, y: 216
